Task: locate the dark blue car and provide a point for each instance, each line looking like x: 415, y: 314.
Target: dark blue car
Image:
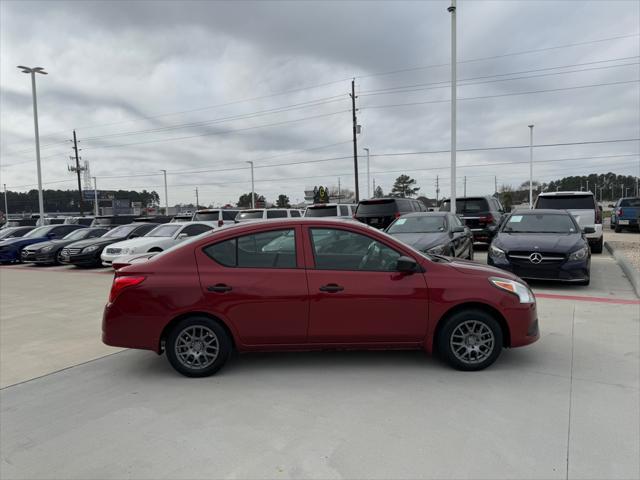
x: 11, y: 248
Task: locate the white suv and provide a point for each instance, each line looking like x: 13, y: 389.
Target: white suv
x: 222, y: 216
x: 266, y: 214
x: 331, y: 210
x: 584, y: 208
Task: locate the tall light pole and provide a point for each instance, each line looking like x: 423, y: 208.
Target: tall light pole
x: 6, y: 204
x: 253, y: 194
x: 531, y: 166
x: 95, y: 196
x: 368, y: 175
x: 452, y: 10
x: 33, y: 72
x: 166, y: 195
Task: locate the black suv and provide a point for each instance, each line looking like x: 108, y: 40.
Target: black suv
x: 481, y: 214
x: 381, y: 212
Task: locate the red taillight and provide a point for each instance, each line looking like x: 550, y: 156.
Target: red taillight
x: 398, y: 215
x: 619, y: 212
x: 598, y: 216
x: 486, y: 219
x: 220, y: 223
x: 120, y: 283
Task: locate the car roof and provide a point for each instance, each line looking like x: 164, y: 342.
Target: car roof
x: 426, y: 214
x: 540, y: 211
x: 553, y: 194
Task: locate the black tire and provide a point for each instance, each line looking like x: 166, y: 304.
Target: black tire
x: 597, y: 247
x: 618, y: 228
x: 470, y: 257
x: 209, y: 328
x: 457, y: 323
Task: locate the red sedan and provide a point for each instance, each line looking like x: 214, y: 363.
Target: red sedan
x: 310, y: 284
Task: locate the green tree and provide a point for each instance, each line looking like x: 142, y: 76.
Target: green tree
x: 245, y: 200
x: 378, y: 193
x: 283, y: 201
x: 404, y: 186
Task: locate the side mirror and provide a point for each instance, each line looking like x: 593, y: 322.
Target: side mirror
x: 508, y: 209
x: 182, y: 236
x: 51, y: 235
x: 134, y: 235
x: 407, y: 265
x: 588, y: 230
x: 458, y: 229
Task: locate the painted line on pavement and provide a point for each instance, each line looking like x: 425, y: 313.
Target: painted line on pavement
x: 621, y: 301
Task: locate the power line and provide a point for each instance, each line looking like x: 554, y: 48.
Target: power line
x: 370, y: 107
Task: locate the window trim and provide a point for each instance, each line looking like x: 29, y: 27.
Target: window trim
x: 235, y: 239
x: 313, y: 251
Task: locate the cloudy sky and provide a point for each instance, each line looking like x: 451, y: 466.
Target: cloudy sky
x: 200, y: 88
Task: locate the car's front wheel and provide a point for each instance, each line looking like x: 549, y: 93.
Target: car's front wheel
x: 470, y: 340
x: 198, y: 346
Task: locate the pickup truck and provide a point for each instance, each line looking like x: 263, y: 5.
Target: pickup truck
x: 626, y: 214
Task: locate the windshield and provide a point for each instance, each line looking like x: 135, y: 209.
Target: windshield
x: 8, y: 232
x: 422, y: 224
x: 211, y: 216
x: 566, y: 202
x: 251, y: 215
x: 38, y: 232
x: 541, y: 223
x: 324, y: 211
x: 121, y: 231
x: 630, y: 202
x: 76, y: 234
x: 467, y: 205
x: 164, y: 231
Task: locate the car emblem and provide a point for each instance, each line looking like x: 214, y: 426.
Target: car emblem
x: 535, y: 257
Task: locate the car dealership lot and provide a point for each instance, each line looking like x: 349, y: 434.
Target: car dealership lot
x: 564, y: 406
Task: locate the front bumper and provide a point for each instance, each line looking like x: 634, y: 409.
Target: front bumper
x: 34, y: 256
x: 81, y: 259
x: 9, y: 255
x: 523, y: 325
x: 566, y: 271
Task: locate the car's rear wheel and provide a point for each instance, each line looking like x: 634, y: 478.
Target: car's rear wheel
x: 597, y: 247
x: 470, y: 340
x: 198, y: 346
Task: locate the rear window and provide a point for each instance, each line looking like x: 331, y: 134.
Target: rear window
x: 323, y: 211
x: 249, y: 215
x: 377, y: 207
x: 566, y: 202
x: 630, y: 202
x: 276, y: 214
x: 467, y: 205
x: 229, y: 214
x: 211, y: 216
x: 295, y: 213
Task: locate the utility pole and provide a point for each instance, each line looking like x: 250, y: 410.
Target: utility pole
x: 587, y: 185
x: 452, y: 10
x: 437, y: 189
x: 368, y: 176
x: 530, y: 166
x: 374, y: 187
x: 197, y: 200
x: 6, y: 203
x: 78, y: 170
x: 495, y: 183
x: 95, y: 196
x: 339, y: 192
x: 355, y: 138
x: 33, y: 72
x: 465, y: 186
x: 253, y: 193
x: 166, y: 195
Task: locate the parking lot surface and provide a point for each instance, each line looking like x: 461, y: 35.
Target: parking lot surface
x: 567, y: 406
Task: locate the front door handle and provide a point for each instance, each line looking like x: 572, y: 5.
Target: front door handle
x: 331, y: 288
x: 219, y: 288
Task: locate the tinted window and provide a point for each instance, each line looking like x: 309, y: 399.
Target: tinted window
x: 566, y: 202
x: 295, y: 213
x: 467, y: 206
x: 78, y: 234
x: 164, y: 231
x: 143, y: 229
x: 422, y: 224
x: 630, y: 202
x: 250, y: 215
x: 39, y: 232
x: 377, y: 207
x: 324, y: 211
x: 229, y: 214
x: 276, y: 214
x: 274, y: 249
x: 211, y: 216
x: 343, y: 250
x: 541, y: 223
x: 193, y: 230
x: 96, y: 232
x: 121, y: 231
x: 344, y: 211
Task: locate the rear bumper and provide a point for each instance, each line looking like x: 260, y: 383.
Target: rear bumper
x: 595, y: 237
x: 483, y: 235
x: 130, y: 331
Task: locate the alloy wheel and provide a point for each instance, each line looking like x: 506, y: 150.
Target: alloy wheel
x: 197, y: 347
x: 472, y: 342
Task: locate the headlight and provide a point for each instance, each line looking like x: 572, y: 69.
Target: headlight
x: 580, y: 254
x: 47, y: 248
x: 523, y: 292
x: 437, y: 250
x: 125, y: 251
x: 497, y: 253
x: 90, y: 248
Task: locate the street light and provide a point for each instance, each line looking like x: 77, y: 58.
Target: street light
x: 166, y: 195
x: 530, y: 166
x: 95, y: 196
x: 253, y: 203
x: 33, y: 72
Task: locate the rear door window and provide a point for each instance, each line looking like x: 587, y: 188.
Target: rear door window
x: 273, y: 249
x: 229, y: 214
x: 294, y: 213
x: 276, y: 214
x: 344, y: 211
x: 566, y: 202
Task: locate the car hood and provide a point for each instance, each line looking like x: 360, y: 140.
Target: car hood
x: 551, y: 243
x: 139, y: 242
x: 21, y: 242
x: 56, y: 243
x: 96, y: 241
x: 422, y: 241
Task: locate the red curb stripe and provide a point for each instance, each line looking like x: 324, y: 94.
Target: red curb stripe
x: 620, y: 301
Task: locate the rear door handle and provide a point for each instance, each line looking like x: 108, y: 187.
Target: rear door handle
x: 219, y: 288
x: 331, y: 288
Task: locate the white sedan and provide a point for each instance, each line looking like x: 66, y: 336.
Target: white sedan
x: 160, y: 238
